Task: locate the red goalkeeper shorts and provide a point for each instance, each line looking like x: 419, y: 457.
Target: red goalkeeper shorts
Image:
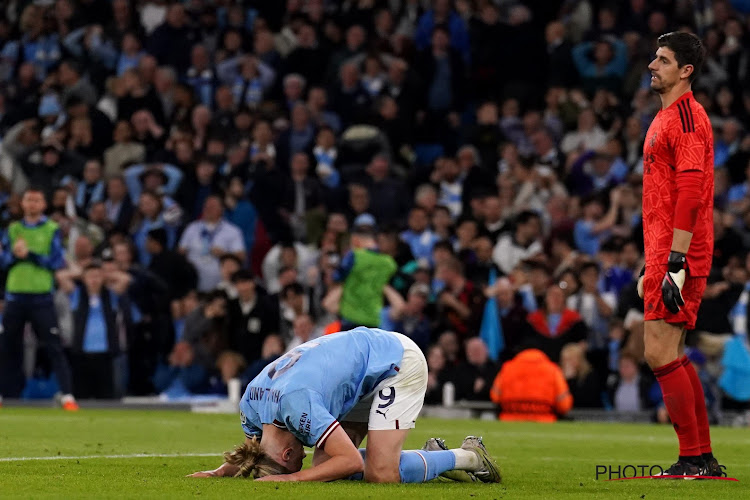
x: 653, y: 305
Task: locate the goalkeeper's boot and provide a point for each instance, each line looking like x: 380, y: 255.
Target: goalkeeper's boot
x: 714, y: 468
x: 455, y: 475
x: 489, y: 471
x: 683, y: 470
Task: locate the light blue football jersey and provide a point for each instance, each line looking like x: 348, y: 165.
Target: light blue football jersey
x: 313, y: 386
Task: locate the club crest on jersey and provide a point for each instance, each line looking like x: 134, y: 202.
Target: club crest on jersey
x: 653, y: 140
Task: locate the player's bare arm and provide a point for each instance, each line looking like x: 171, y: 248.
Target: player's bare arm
x: 344, y: 461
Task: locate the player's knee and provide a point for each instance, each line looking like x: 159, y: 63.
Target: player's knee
x: 656, y: 356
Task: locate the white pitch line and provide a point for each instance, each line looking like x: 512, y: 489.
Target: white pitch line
x: 88, y: 457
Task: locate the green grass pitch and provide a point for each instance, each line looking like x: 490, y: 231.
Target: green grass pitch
x: 116, y: 457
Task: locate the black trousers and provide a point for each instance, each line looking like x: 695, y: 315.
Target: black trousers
x: 93, y: 375
x: 39, y: 310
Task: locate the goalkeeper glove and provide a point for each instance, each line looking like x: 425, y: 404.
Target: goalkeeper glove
x: 674, y: 279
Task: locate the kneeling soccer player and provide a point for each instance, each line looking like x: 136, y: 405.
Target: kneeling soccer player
x: 331, y: 392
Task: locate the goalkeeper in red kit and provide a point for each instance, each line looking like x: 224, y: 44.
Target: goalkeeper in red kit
x: 678, y: 191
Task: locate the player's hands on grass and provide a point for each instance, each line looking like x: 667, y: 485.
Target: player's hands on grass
x: 640, y: 281
x: 674, y: 279
x: 204, y: 473
x: 225, y: 470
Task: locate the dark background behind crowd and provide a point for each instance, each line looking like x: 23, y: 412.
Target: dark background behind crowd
x: 237, y: 177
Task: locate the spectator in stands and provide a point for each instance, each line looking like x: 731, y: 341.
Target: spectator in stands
x: 148, y: 295
x: 554, y: 325
x: 118, y: 204
x: 493, y: 217
x: 437, y: 374
x: 595, y: 308
x: 475, y: 376
x: 100, y: 312
x: 302, y: 331
x: 198, y: 184
x: 388, y: 195
x: 532, y: 277
x: 205, y: 329
x: 273, y: 347
x: 443, y: 71
x: 408, y: 317
x: 123, y: 152
x: 442, y: 14
x: 284, y: 255
x: 150, y: 215
x: 587, y: 137
x: 615, y: 271
x: 601, y: 63
x: 204, y: 242
x: 522, y: 244
x: 448, y: 342
x: 303, y: 197
x: 91, y: 190
x: 169, y: 40
x: 475, y: 173
x: 292, y: 302
x: 251, y: 317
x: 349, y: 99
x: 442, y: 225
x: 584, y: 383
x: 172, y: 267
x: 594, y: 227
x: 228, y: 265
x: 561, y: 69
x: 629, y: 392
x: 200, y: 75
x: 419, y: 236
x: 512, y: 314
x: 531, y: 387
x: 240, y: 211
x: 183, y: 375
x: 460, y: 303
x: 447, y: 175
x: 562, y: 251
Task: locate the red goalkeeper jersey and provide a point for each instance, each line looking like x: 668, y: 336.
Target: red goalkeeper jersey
x: 679, y: 139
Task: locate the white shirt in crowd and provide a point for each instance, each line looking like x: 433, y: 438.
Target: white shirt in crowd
x: 507, y: 253
x: 198, y: 240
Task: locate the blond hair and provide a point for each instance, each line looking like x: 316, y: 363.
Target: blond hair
x: 584, y: 367
x: 253, y: 461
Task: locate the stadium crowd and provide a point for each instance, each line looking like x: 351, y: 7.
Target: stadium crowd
x: 233, y: 178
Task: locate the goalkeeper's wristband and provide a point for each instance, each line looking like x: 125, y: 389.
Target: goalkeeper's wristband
x: 677, y: 261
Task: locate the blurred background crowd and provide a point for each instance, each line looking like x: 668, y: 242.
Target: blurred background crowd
x: 238, y: 177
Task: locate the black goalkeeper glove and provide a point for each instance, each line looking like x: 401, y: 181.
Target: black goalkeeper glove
x: 674, y: 279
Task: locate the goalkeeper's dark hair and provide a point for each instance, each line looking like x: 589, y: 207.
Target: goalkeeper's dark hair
x: 253, y: 461
x: 687, y: 48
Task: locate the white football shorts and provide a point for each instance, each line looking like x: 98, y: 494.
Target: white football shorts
x: 396, y: 401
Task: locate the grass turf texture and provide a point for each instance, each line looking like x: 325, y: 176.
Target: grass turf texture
x: 537, y: 461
